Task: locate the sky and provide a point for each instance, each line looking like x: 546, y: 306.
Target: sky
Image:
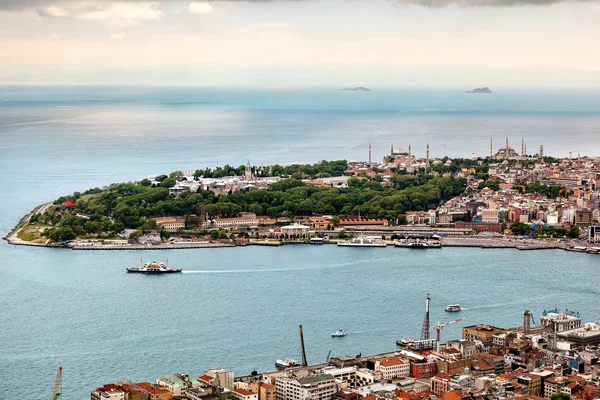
x: 301, y: 42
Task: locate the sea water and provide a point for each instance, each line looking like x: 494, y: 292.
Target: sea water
x: 240, y: 308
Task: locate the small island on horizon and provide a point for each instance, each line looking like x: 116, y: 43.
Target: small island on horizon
x: 356, y: 89
x: 480, y: 90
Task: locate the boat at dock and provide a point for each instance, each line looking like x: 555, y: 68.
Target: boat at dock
x: 286, y: 363
x: 154, y: 268
x: 339, y: 333
x: 453, y: 308
x: 418, y: 243
x: 362, y: 241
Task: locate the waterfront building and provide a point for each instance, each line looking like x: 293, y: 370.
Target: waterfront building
x: 560, y: 322
x: 481, y: 332
x: 237, y: 222
x: 583, y: 217
x: 594, y: 234
x: 588, y: 335
x: 171, y: 224
x: 223, y: 377
x: 394, y: 367
x: 177, y: 383
x: 320, y: 387
x: 108, y: 392
x: 358, y: 221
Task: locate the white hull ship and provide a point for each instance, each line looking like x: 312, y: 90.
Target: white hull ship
x: 418, y: 244
x: 361, y: 241
x: 339, y: 333
x: 154, y: 268
x: 286, y: 363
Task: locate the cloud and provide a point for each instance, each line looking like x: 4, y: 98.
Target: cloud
x: 200, y: 7
x: 55, y: 36
x: 117, y: 36
x: 122, y: 11
x: 149, y: 9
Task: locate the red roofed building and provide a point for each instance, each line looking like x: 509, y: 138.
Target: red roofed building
x: 356, y: 221
x: 394, y: 367
x: 440, y: 384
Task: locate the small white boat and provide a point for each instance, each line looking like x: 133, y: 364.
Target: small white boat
x: 453, y: 308
x: 339, y: 333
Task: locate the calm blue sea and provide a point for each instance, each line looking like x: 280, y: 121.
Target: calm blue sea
x: 241, y: 307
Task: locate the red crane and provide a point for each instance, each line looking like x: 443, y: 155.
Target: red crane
x: 56, y: 392
x: 438, y: 327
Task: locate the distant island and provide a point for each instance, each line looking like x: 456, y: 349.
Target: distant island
x: 480, y: 90
x: 356, y: 89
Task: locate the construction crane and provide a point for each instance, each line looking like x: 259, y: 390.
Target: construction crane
x: 56, y: 392
x: 438, y: 327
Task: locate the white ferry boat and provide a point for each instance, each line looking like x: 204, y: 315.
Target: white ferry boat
x: 339, y: 333
x: 286, y: 363
x: 418, y: 244
x: 154, y: 268
x: 453, y: 308
x: 362, y: 241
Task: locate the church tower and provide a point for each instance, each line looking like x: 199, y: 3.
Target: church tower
x: 248, y: 171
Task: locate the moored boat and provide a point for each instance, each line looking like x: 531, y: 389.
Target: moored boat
x: 286, y: 363
x: 453, y: 308
x: 418, y: 244
x: 154, y: 268
x: 362, y: 241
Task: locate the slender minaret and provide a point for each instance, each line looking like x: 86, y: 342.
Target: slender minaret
x: 491, y: 149
x: 473, y: 155
x: 392, y: 149
x: 522, y: 147
x: 525, y: 152
x: 369, y: 153
x: 409, y: 169
x: 506, y: 148
x: 427, y: 157
x: 541, y: 150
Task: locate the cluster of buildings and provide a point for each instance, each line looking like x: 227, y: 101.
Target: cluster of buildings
x: 480, y: 208
x: 558, y: 355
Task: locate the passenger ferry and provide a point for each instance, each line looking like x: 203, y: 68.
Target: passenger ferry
x: 339, y: 333
x: 362, y: 241
x: 154, y: 268
x: 453, y: 308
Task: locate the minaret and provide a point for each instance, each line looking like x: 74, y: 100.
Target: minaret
x: 506, y: 148
x: 427, y: 157
x: 525, y: 152
x: 473, y: 155
x: 248, y: 171
x: 522, y: 147
x: 491, y: 150
x: 409, y: 169
x: 369, y: 153
x: 392, y: 149
x: 541, y: 150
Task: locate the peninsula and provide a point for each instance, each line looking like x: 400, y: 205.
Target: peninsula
x: 403, y: 196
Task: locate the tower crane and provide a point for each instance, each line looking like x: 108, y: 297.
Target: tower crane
x: 438, y: 327
x: 56, y: 392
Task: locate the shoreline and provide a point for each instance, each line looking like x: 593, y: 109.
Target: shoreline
x: 450, y: 241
